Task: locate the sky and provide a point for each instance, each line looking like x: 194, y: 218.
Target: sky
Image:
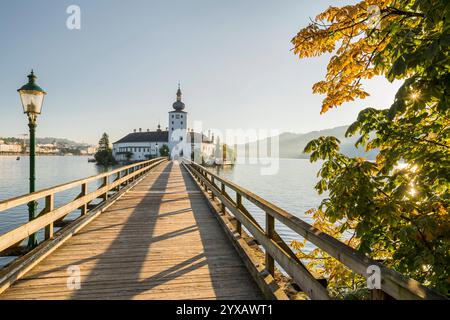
x: 121, y: 69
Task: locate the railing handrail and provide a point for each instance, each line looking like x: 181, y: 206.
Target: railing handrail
x: 23, y: 199
x: 51, y: 215
x: 393, y: 282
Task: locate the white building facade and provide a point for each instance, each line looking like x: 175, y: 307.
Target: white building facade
x: 178, y: 129
x: 139, y: 146
x: 10, y: 148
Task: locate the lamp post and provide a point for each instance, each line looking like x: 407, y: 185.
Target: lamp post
x: 32, y: 98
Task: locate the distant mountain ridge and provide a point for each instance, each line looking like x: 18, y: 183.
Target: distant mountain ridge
x: 291, y: 145
x: 47, y: 140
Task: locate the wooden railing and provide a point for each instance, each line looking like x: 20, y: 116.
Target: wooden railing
x: 393, y: 284
x: 111, y: 182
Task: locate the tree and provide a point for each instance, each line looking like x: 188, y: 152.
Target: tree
x: 104, y: 155
x: 103, y: 144
x: 396, y: 208
x: 164, y: 150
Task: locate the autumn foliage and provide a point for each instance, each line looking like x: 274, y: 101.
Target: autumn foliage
x: 396, y: 208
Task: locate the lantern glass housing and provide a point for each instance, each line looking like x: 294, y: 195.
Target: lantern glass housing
x: 32, y: 96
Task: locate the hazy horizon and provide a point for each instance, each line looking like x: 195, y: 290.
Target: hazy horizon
x: 120, y: 71
x: 112, y: 141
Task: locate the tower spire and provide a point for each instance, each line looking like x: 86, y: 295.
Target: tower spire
x: 179, y: 92
x: 178, y: 105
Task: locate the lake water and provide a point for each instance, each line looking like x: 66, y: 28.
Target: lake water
x: 50, y: 171
x: 291, y: 187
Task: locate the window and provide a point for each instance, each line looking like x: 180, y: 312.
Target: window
x: 172, y: 129
x: 172, y: 122
x: 181, y: 116
x: 181, y: 122
x: 172, y: 116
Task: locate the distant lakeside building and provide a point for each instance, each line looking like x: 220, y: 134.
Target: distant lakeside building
x: 10, y: 148
x: 90, y: 150
x: 45, y: 149
x: 141, y: 145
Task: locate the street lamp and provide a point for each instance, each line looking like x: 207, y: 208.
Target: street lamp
x: 32, y: 97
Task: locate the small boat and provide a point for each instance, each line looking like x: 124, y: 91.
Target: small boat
x: 18, y: 158
x: 91, y: 160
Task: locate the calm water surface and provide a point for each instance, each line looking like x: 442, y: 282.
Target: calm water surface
x: 50, y: 171
x: 291, y: 188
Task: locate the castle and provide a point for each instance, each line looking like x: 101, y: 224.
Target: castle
x: 141, y: 145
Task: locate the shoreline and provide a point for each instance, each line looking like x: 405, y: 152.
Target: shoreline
x: 44, y: 155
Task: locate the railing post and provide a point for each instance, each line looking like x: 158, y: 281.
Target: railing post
x: 239, y: 206
x: 201, y: 180
x: 127, y: 174
x: 212, y: 192
x: 49, y: 206
x: 205, y: 184
x: 105, y: 183
x: 82, y: 194
x: 223, y: 194
x: 117, y: 189
x: 270, y: 228
x: 197, y: 174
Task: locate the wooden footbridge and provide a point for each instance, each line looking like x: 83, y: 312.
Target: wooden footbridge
x: 169, y: 230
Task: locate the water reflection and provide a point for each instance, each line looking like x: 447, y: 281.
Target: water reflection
x: 291, y: 188
x: 50, y: 171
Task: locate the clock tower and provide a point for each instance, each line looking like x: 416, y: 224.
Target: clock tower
x: 177, y: 127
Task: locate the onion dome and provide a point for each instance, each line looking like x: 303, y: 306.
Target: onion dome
x: 178, y: 105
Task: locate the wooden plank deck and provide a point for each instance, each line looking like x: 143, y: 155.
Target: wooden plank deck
x: 159, y: 241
